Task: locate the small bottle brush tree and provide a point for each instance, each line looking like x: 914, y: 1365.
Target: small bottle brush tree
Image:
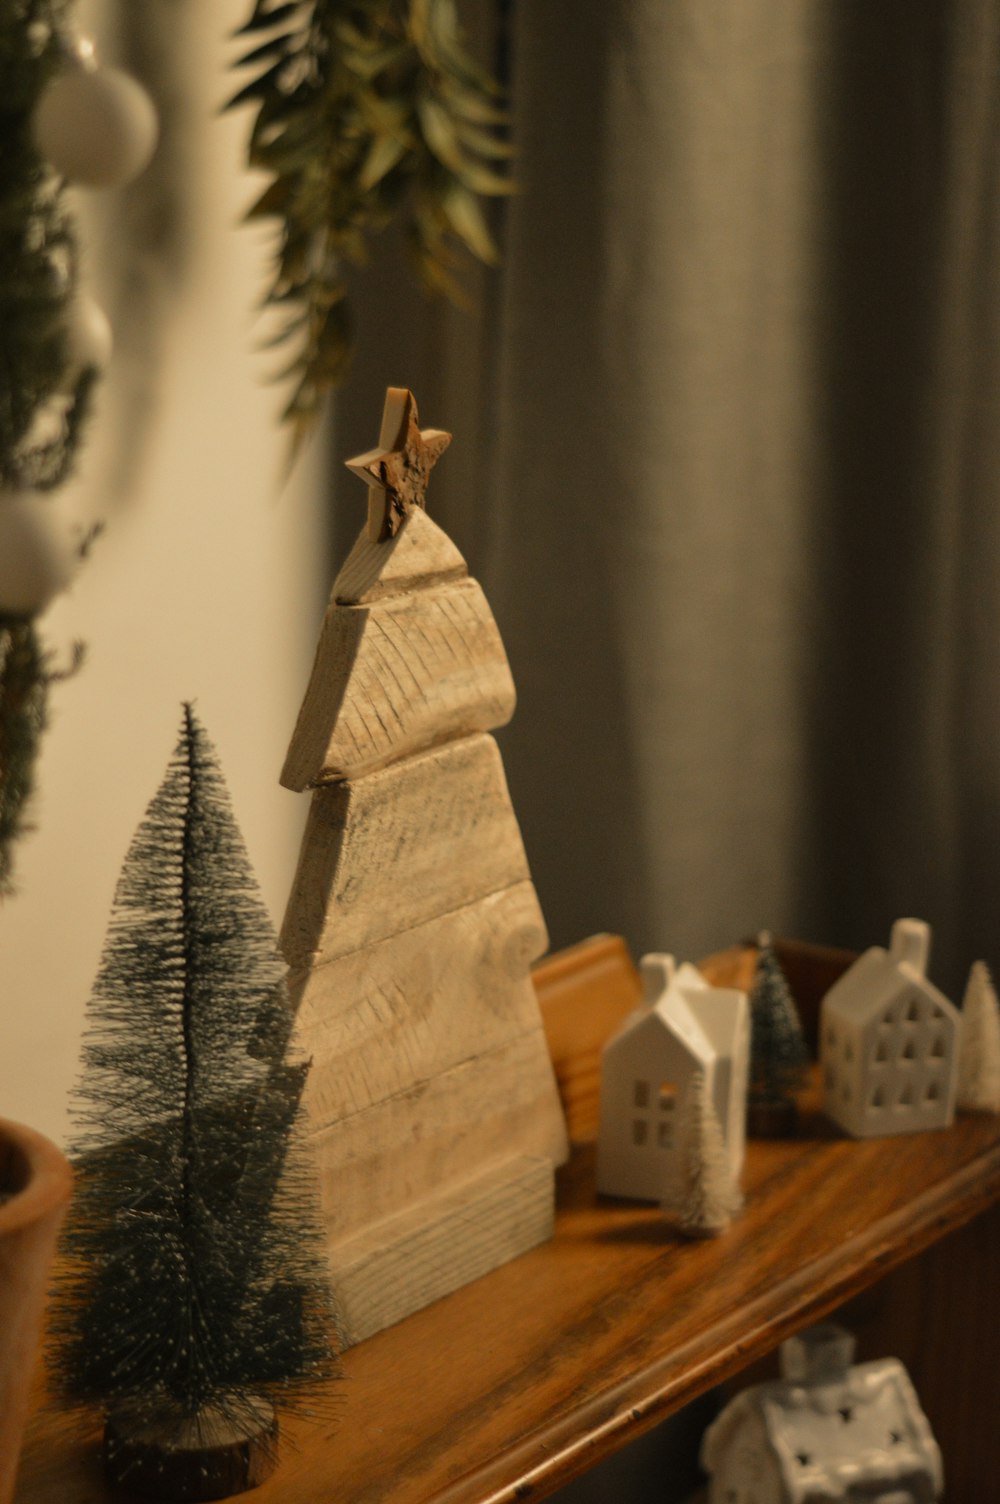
x: 979, y: 1051
x: 195, y: 1294
x: 701, y: 1193
x: 779, y: 1059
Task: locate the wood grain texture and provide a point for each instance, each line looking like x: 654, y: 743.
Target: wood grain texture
x: 420, y: 554
x: 379, y: 1021
x: 427, y: 1251
x: 438, y: 1132
x: 508, y: 1388
x: 407, y: 844
x: 397, y: 677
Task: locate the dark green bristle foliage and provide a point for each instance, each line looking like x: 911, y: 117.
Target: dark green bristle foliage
x: 192, y: 1249
x: 779, y: 1057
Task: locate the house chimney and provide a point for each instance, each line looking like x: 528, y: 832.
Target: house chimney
x: 910, y: 944
x: 819, y: 1355
x: 657, y: 972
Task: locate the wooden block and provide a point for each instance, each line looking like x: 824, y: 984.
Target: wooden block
x: 377, y: 1020
x: 584, y: 993
x: 419, y: 554
x: 410, y: 842
x: 404, y: 1263
x: 396, y: 677
x: 437, y: 1133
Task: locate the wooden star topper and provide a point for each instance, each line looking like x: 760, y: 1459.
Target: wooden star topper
x: 397, y: 470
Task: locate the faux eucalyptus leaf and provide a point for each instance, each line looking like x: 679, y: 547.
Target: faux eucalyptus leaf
x: 367, y: 112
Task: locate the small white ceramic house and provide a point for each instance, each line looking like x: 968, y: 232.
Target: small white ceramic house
x: 889, y: 1041
x: 682, y: 1025
x: 827, y: 1432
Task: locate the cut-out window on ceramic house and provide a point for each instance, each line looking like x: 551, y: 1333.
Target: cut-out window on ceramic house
x: 913, y: 1011
x: 878, y: 1097
x: 640, y: 1094
x: 909, y: 1050
x: 882, y: 1048
x: 937, y: 1046
x: 906, y: 1095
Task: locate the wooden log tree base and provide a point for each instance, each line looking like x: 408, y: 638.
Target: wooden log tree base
x: 774, y: 1118
x: 211, y: 1455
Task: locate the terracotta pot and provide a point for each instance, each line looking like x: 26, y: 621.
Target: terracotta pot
x: 35, y: 1184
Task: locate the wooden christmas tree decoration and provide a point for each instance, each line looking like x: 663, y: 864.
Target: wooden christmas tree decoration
x: 979, y: 1047
x: 413, y: 922
x: 194, y: 1293
x: 701, y: 1193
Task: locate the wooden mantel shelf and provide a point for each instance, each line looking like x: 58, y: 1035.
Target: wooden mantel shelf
x: 515, y: 1384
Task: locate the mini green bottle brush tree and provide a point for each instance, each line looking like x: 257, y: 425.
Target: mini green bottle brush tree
x: 63, y: 119
x: 194, y: 1294
x: 779, y: 1056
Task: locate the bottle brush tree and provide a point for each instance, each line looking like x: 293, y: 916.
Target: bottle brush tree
x: 779, y: 1058
x: 701, y: 1193
x: 979, y: 1051
x: 195, y: 1294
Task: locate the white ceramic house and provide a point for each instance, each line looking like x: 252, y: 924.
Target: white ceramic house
x: 682, y: 1025
x: 827, y: 1432
x: 889, y: 1041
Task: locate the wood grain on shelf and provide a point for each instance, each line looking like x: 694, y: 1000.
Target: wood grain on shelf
x: 510, y: 1387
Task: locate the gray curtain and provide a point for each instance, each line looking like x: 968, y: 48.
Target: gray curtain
x: 730, y: 439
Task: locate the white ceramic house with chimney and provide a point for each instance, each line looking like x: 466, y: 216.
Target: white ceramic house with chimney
x: 681, y: 1026
x: 889, y: 1041
x: 828, y: 1432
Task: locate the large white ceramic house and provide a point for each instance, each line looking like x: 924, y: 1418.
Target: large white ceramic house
x: 682, y: 1025
x: 889, y: 1041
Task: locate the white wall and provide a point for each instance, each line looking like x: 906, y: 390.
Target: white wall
x: 208, y: 584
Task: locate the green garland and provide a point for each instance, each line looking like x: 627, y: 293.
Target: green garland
x: 38, y: 263
x: 367, y: 112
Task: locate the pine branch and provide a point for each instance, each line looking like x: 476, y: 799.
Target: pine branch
x: 367, y: 113
x: 41, y: 423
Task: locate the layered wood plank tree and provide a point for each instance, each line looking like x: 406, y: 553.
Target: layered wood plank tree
x: 413, y: 922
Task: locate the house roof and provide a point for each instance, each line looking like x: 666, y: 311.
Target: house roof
x: 867, y: 1428
x: 702, y: 1018
x: 874, y: 980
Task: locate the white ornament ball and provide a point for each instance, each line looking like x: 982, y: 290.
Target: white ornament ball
x: 39, y: 550
x: 97, y: 126
x: 89, y: 340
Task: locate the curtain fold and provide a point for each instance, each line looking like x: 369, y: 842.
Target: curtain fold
x: 733, y: 493
x: 746, y: 553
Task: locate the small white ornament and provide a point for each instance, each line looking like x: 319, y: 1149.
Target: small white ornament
x: 39, y: 550
x: 97, y: 126
x: 89, y: 340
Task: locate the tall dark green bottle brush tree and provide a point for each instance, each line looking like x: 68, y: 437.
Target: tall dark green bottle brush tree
x: 196, y: 1296
x: 779, y: 1056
